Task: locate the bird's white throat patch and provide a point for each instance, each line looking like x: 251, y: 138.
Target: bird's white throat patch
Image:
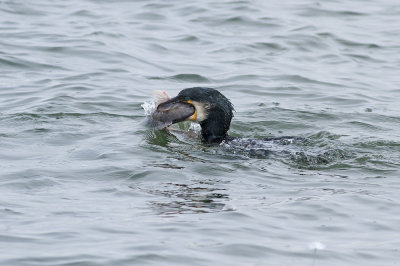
x: 201, y: 111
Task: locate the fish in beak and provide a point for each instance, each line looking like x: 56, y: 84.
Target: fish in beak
x: 172, y: 111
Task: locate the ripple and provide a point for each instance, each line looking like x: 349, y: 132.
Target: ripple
x: 19, y: 63
x: 73, y: 259
x: 349, y: 43
x: 149, y: 16
x: 186, y: 78
x: 8, y: 238
x: 298, y: 78
x: 20, y: 9
x: 320, y: 12
x: 84, y: 13
x: 268, y: 46
x: 31, y: 182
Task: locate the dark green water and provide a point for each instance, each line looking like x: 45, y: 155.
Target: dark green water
x: 83, y: 181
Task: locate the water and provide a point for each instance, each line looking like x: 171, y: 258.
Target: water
x: 83, y: 181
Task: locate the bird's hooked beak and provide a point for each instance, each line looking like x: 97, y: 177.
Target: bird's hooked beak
x: 173, y: 111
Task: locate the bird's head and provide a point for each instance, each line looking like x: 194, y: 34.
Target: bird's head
x: 207, y: 106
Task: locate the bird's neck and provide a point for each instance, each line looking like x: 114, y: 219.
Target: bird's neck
x: 213, y: 131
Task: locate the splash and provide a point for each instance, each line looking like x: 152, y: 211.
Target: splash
x: 150, y: 106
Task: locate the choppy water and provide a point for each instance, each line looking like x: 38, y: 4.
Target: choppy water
x: 83, y: 181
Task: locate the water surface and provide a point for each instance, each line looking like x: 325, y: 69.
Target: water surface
x: 84, y: 181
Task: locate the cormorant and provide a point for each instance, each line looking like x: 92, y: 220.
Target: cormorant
x: 214, y: 112
x: 207, y: 106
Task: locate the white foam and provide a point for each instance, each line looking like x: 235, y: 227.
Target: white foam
x: 195, y: 127
x: 149, y: 107
x: 316, y: 246
x: 159, y: 97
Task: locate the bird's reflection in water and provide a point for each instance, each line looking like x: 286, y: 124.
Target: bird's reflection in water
x: 194, y: 198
